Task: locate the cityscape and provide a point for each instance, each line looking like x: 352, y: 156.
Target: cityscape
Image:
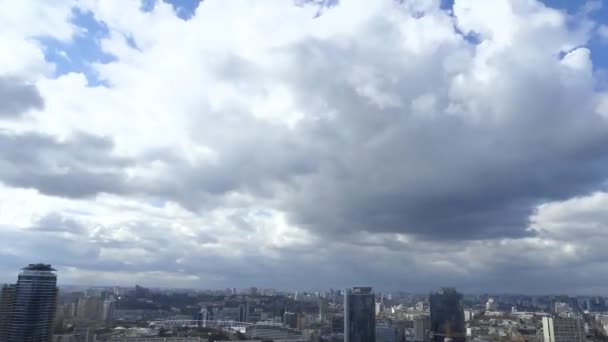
x: 35, y: 309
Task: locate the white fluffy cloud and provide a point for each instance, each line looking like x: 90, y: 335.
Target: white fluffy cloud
x: 259, y: 143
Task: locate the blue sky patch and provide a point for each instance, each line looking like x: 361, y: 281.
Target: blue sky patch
x: 78, y: 55
x: 185, y: 9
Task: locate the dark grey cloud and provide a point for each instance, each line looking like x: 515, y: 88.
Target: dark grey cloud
x: 17, y: 97
x: 31, y: 245
x: 473, y: 165
x: 445, y: 176
x: 83, y: 165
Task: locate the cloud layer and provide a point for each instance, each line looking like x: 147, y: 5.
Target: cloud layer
x: 17, y: 97
x: 393, y: 142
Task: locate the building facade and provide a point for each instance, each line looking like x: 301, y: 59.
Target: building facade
x: 89, y: 308
x: 447, y: 316
x: 385, y: 332
x: 34, y: 305
x: 359, y: 315
x: 323, y: 307
x: 108, y: 311
x: 559, y: 329
x: 7, y: 301
x: 290, y: 319
x: 421, y: 328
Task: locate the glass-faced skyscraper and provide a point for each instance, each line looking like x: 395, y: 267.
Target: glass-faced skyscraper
x: 359, y: 315
x: 447, y: 316
x: 7, y: 301
x: 33, y: 308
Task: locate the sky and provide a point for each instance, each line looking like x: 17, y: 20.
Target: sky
x: 405, y: 145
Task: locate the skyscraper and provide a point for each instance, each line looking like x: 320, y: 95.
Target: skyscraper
x: 359, y: 315
x: 108, y: 311
x: 323, y: 307
x: 421, y: 328
x: 33, y: 311
x: 447, y: 316
x: 7, y: 301
x: 244, y: 312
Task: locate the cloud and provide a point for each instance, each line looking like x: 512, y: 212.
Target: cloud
x: 55, y: 222
x: 602, y: 30
x: 23, y: 23
x: 17, y: 97
x: 592, y: 6
x: 428, y: 133
x: 80, y: 166
x: 28, y: 246
x: 464, y: 147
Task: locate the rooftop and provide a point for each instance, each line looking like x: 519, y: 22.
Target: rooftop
x: 38, y: 267
x: 361, y: 290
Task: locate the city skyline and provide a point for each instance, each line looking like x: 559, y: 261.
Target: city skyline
x: 395, y: 144
x: 35, y: 310
x: 313, y: 290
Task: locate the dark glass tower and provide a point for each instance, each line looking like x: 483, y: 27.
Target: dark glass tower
x: 7, y: 301
x: 359, y: 315
x: 447, y: 316
x: 31, y: 319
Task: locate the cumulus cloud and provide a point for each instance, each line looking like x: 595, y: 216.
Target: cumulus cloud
x: 426, y: 133
x: 80, y: 166
x: 360, y: 138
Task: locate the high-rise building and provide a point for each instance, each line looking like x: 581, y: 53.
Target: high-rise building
x: 108, y: 311
x: 141, y: 292
x: 323, y: 307
x: 244, y: 312
x: 597, y: 304
x: 301, y: 322
x: 559, y: 329
x: 7, y: 301
x: 34, y: 305
x: 447, y: 316
x: 421, y: 328
x: 89, y: 308
x: 290, y: 319
x: 359, y: 315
